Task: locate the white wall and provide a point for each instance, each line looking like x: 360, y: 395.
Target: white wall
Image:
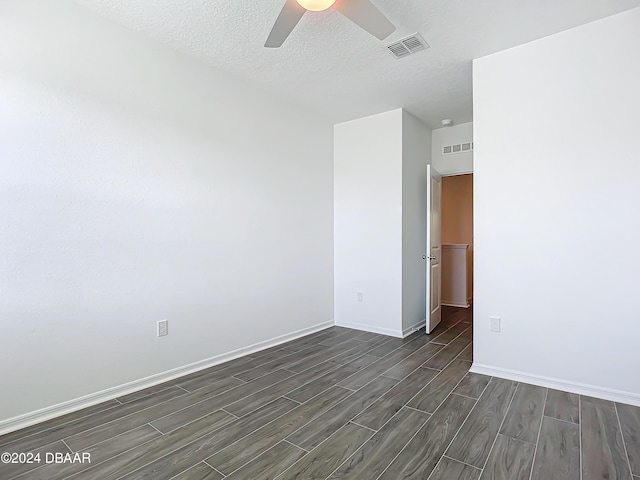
x: 557, y: 196
x: 380, y: 222
x: 416, y: 154
x: 137, y: 185
x: 457, y: 163
x: 368, y: 223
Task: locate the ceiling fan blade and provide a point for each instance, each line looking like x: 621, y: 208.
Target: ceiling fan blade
x: 367, y: 16
x: 285, y: 23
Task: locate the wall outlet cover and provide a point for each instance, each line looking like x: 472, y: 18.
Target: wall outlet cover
x: 163, y: 328
x: 496, y: 324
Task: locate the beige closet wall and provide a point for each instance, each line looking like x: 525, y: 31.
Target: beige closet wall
x: 457, y: 211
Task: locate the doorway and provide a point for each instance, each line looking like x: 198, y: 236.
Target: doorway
x: 457, y: 247
x: 457, y: 240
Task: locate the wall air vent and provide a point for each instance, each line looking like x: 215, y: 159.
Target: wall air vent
x: 458, y: 148
x: 406, y: 46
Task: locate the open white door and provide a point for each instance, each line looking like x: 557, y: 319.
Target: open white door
x: 434, y: 247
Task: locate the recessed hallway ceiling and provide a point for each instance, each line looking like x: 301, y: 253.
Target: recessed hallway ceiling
x: 332, y: 66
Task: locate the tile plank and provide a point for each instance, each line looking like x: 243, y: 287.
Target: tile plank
x: 360, y: 362
x: 558, y: 453
x: 367, y: 374
x: 320, y: 384
x: 322, y: 461
x: 473, y: 443
x: 510, y: 459
x: 630, y: 422
x: 234, y: 456
x: 441, y: 359
x: 99, y: 453
x: 270, y: 464
x: 387, y: 347
x: 185, y: 416
x: 257, y: 359
x: 348, y: 334
x: 103, y: 432
x: 145, y: 393
x: 525, y: 414
x: 419, y: 341
x: 325, y: 425
x: 257, y: 399
x: 213, y: 387
x: 422, y: 453
x: 440, y: 387
x: 316, y: 352
x: 603, y: 453
x: 467, y: 353
x: 472, y: 385
x: 216, y: 372
x: 451, y: 334
x: 178, y: 450
x: 201, y: 471
x: 380, y: 450
x: 369, y: 336
x: 449, y: 469
x: 415, y: 334
x: 85, y: 413
x: 98, y: 420
x: 357, y: 352
x: 391, y: 402
x: 562, y: 406
x: 310, y: 341
x: 411, y: 363
x: 327, y: 354
x: 272, y: 353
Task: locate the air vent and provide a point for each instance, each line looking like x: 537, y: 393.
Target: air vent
x: 457, y: 148
x: 406, y: 46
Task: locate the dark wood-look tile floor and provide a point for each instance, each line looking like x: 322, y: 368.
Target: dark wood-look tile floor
x: 342, y: 404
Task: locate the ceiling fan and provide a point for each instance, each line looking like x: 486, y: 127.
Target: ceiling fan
x: 361, y: 12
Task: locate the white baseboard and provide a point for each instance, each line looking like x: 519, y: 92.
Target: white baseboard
x: 371, y: 328
x: 28, y: 419
x: 414, y: 328
x: 559, y: 384
x: 452, y: 304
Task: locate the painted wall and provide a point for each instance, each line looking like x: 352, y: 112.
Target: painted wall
x: 457, y: 213
x: 135, y: 186
x: 457, y: 163
x: 368, y: 223
x: 557, y: 196
x: 457, y: 209
x: 380, y: 222
x: 416, y: 154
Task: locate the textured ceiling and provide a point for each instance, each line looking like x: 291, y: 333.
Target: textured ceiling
x: 332, y: 66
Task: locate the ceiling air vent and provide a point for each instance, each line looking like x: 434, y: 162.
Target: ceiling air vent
x: 457, y: 148
x: 406, y: 46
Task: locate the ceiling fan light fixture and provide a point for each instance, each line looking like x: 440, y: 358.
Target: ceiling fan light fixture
x: 316, y: 5
x: 361, y: 12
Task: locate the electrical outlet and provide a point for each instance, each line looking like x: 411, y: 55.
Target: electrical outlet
x: 495, y: 324
x: 360, y: 296
x: 163, y: 328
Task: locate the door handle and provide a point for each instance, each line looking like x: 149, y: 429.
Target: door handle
x: 424, y: 257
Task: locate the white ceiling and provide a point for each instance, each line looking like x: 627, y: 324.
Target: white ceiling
x: 332, y: 66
